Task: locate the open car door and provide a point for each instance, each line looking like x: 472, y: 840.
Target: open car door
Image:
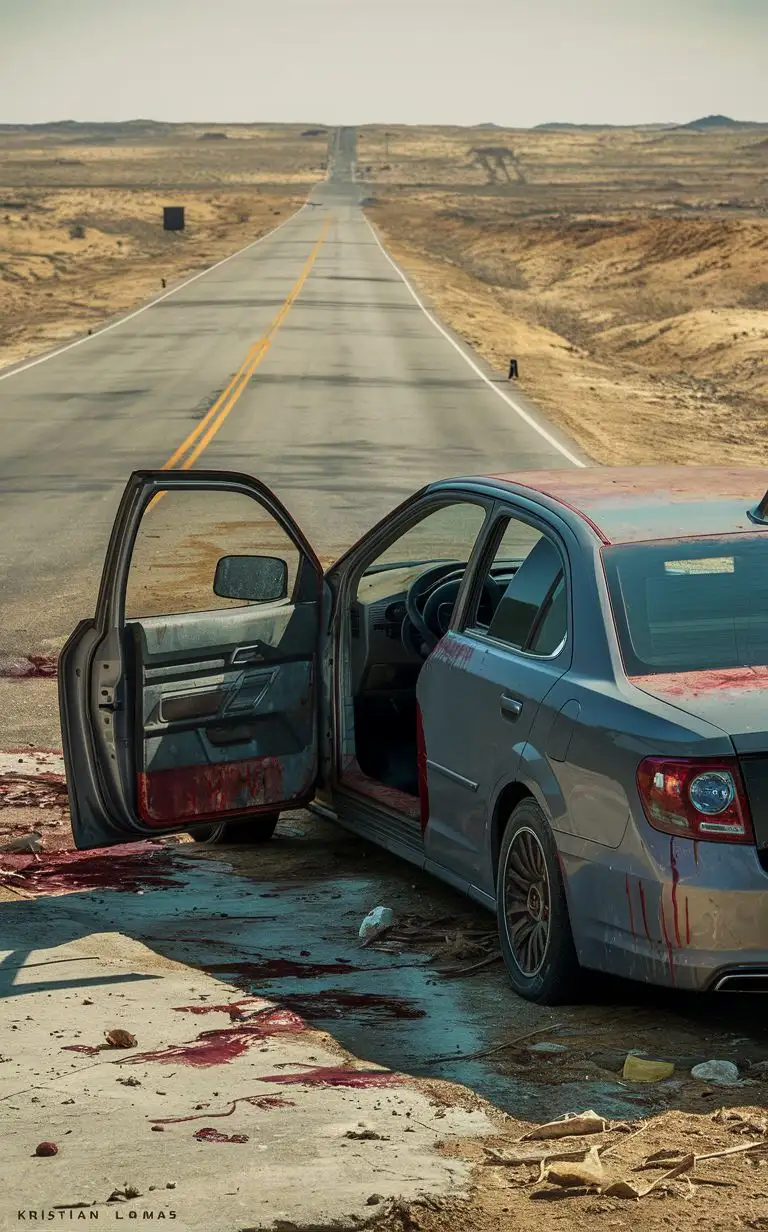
x: 191, y: 697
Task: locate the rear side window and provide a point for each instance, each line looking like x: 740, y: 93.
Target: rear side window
x: 690, y: 606
x: 530, y: 614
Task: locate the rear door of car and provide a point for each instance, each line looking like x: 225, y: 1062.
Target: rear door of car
x: 192, y: 695
x: 481, y: 689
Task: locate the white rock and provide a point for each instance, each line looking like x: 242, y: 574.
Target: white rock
x: 377, y: 922
x: 721, y: 1073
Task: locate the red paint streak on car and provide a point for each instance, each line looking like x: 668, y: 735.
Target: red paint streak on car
x: 694, y: 684
x: 675, y: 883
x: 341, y: 1076
x: 644, y: 911
x: 667, y: 942
x: 220, y: 1047
x: 629, y: 903
x: 167, y: 797
x: 421, y: 766
x: 450, y: 650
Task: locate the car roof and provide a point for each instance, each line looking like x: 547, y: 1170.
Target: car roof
x: 633, y: 504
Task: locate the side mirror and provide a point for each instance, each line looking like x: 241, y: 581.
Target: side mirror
x: 257, y: 579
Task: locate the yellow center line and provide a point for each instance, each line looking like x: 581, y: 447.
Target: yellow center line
x: 203, y: 433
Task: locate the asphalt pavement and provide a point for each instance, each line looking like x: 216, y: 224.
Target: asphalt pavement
x: 347, y: 398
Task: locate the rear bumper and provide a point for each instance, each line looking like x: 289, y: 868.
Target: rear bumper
x: 672, y: 913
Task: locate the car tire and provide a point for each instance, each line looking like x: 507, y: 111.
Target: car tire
x: 256, y: 830
x: 540, y: 957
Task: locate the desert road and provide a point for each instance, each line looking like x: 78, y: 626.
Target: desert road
x: 354, y: 400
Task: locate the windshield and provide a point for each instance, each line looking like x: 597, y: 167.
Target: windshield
x: 690, y: 605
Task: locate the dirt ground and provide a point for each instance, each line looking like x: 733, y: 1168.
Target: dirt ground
x: 625, y: 270
x: 81, y: 235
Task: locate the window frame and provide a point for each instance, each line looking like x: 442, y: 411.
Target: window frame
x: 495, y: 531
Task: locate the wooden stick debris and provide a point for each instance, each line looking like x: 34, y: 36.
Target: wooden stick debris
x: 490, y: 1052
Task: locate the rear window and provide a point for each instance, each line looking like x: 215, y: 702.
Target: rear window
x: 690, y: 606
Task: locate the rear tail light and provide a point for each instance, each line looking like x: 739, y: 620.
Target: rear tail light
x: 696, y: 798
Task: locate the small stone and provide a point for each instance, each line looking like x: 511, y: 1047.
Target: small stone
x: 374, y: 1200
x: 158, y: 1129
x: 170, y: 1185
x: 46, y: 1148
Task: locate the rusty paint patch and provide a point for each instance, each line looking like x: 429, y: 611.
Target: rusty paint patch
x: 220, y: 1047
x: 169, y: 797
x: 697, y: 684
x: 341, y: 1076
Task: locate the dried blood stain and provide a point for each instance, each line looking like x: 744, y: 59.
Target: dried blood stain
x: 218, y: 1047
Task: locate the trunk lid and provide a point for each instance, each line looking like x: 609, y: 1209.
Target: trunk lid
x: 733, y: 699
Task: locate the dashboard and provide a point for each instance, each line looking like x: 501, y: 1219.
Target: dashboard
x: 380, y: 659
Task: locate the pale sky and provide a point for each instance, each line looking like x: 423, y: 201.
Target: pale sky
x: 514, y: 62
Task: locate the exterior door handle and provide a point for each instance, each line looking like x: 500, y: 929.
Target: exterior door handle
x: 511, y: 708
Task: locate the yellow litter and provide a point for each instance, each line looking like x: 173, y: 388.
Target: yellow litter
x: 637, y: 1069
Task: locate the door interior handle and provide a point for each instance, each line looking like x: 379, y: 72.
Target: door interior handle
x: 511, y: 708
x: 249, y: 654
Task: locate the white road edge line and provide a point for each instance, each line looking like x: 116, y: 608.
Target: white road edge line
x: 41, y: 359
x: 505, y: 397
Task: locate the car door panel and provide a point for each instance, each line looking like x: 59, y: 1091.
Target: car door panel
x: 175, y: 719
x: 218, y: 737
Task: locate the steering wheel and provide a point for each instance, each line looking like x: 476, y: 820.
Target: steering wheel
x: 439, y: 606
x: 416, y: 598
x: 429, y: 604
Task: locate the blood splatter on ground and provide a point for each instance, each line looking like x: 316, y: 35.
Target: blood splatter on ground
x: 235, y: 1009
x: 334, y: 1003
x: 215, y: 1135
x: 279, y: 969
x: 127, y: 866
x: 218, y: 1047
x: 28, y: 667
x: 28, y: 791
x: 325, y: 1076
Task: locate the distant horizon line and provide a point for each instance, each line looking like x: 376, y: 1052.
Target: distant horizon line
x: 720, y: 120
